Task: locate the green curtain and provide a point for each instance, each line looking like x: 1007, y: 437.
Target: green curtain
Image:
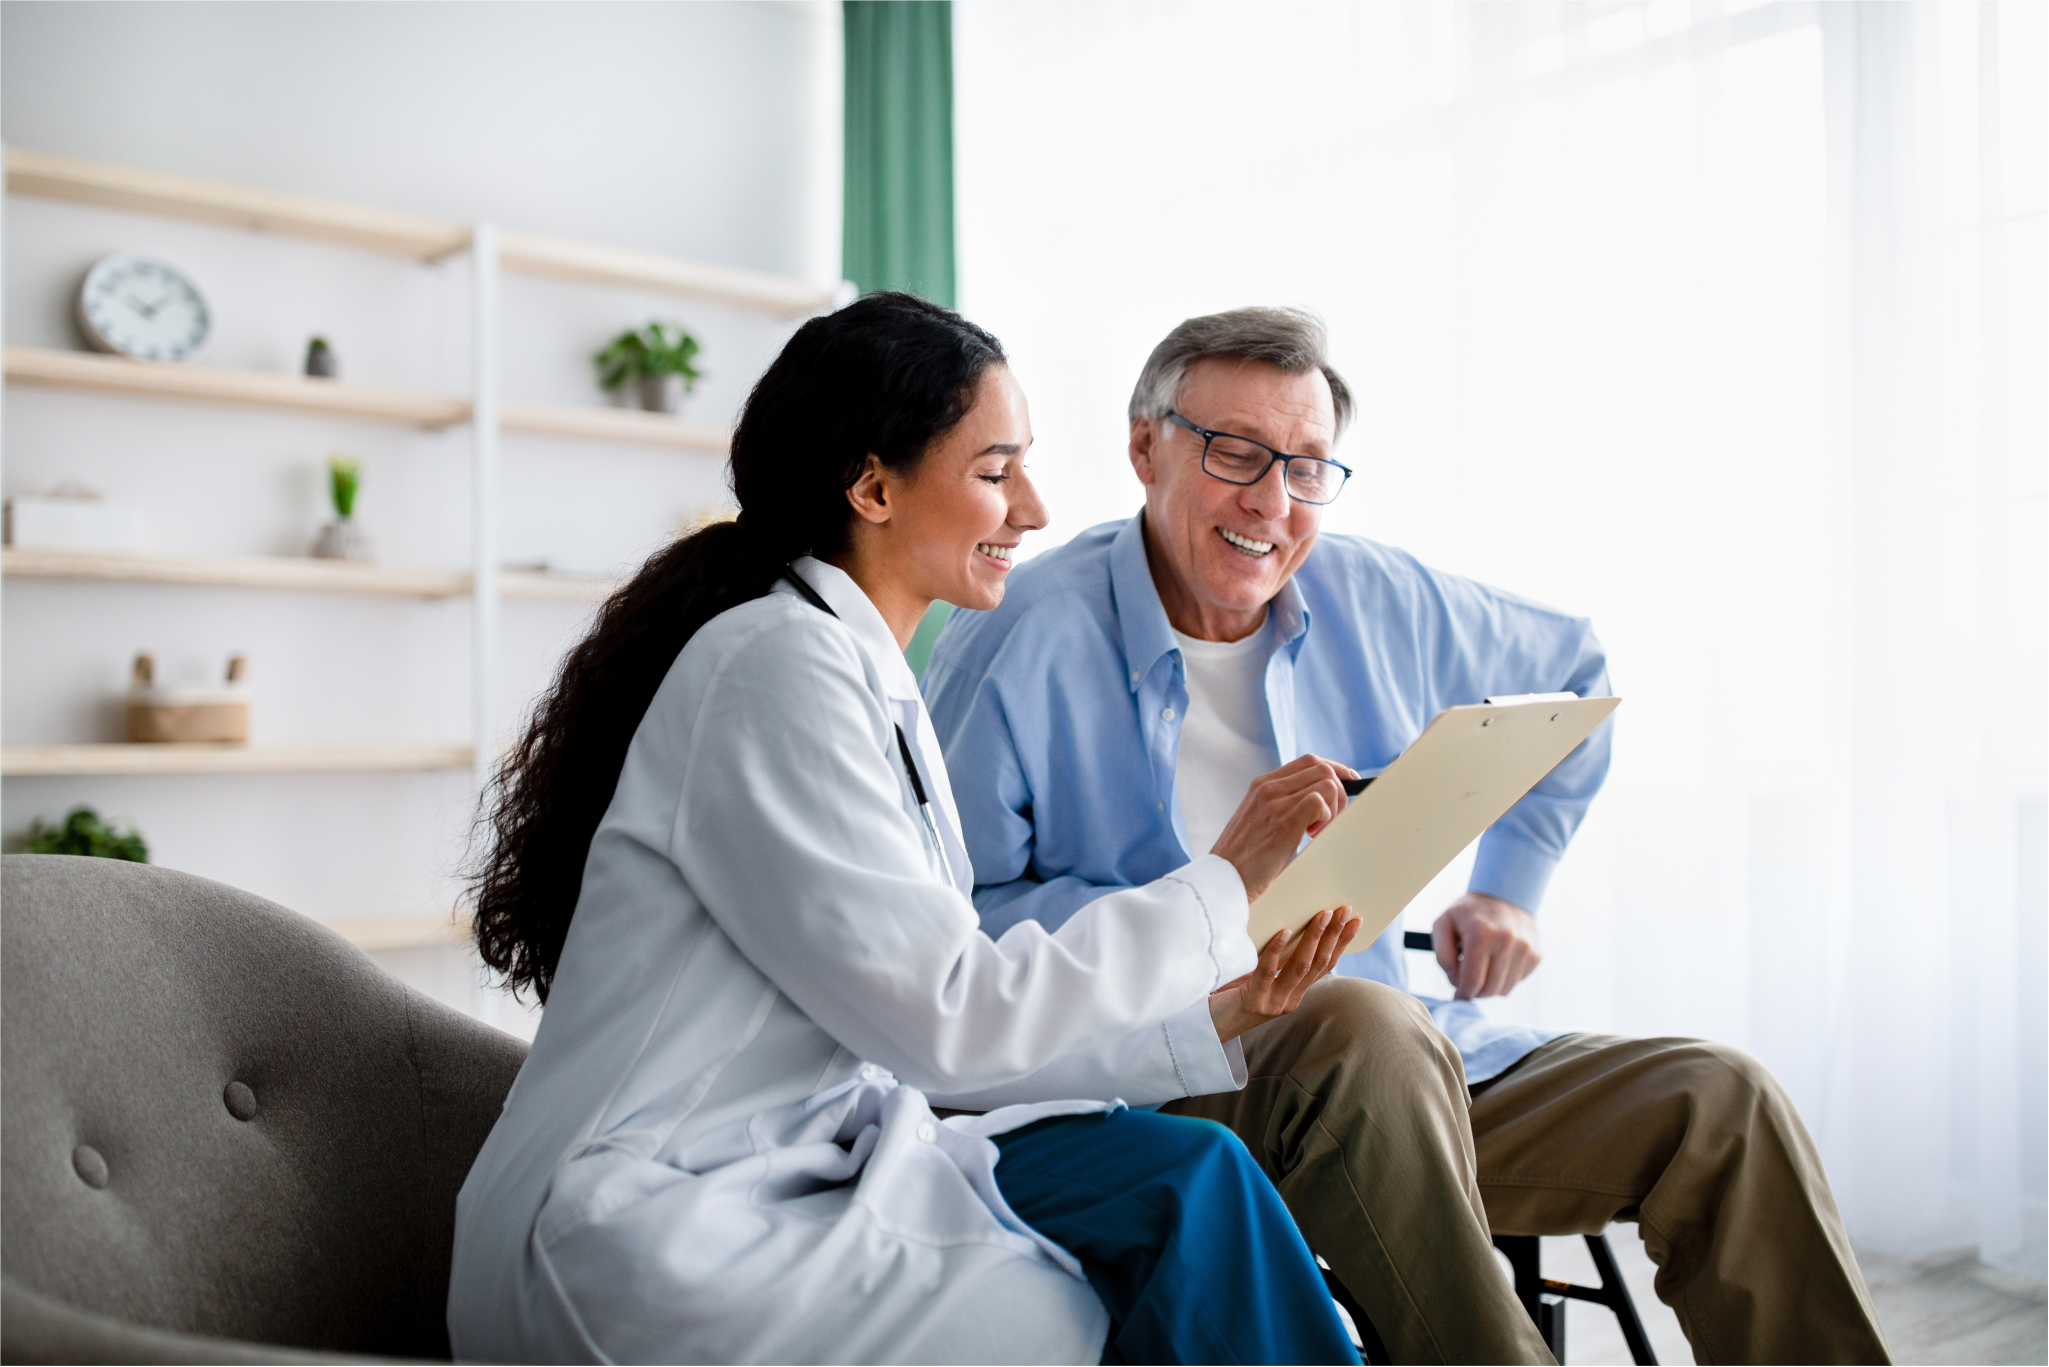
x: 897, y: 232
x: 898, y: 228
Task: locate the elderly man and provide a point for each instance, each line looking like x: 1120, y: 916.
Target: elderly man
x: 1102, y: 726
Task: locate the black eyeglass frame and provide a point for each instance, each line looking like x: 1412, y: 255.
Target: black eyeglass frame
x: 1208, y: 435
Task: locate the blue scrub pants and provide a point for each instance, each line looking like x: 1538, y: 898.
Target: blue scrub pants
x: 1184, y: 1239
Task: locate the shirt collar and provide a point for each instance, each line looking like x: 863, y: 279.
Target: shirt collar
x: 854, y: 607
x: 1142, y: 618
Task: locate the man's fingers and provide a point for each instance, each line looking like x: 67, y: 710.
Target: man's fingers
x: 1475, y: 958
x: 1444, y: 944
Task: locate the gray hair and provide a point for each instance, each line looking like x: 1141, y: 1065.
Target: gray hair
x: 1292, y: 341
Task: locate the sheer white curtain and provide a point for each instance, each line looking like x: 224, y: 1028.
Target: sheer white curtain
x: 1720, y: 324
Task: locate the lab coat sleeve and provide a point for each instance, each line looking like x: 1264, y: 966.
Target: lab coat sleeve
x: 795, y: 830
x: 1181, y: 1056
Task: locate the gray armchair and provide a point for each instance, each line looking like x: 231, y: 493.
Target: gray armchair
x: 225, y: 1135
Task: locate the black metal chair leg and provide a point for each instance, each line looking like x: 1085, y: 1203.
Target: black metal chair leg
x: 1547, y: 1312
x: 1619, y: 1300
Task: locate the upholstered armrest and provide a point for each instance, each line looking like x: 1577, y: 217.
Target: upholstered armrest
x: 34, y: 1328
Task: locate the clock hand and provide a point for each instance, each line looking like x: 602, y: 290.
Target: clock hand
x: 146, y: 310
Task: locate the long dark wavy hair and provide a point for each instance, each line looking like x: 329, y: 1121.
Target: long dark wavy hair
x: 887, y: 376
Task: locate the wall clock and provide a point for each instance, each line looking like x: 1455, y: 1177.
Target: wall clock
x: 139, y: 307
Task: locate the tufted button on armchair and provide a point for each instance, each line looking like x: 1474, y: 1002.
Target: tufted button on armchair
x: 225, y: 1134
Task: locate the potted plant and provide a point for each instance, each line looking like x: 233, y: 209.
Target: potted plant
x: 84, y: 833
x: 660, y: 358
x: 342, y: 539
x: 320, y: 364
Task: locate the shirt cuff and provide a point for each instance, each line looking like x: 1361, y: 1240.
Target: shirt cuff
x: 1221, y: 894
x: 1205, y: 1064
x: 1512, y: 869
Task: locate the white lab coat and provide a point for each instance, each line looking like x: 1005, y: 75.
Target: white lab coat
x: 720, y: 1148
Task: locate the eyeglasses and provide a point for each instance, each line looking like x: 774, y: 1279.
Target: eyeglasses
x: 1241, y: 460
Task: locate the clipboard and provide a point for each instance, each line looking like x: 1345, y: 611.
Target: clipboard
x: 1470, y: 765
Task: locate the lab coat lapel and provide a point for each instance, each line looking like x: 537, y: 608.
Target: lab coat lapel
x: 905, y: 704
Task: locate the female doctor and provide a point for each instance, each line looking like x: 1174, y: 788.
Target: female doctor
x: 727, y: 858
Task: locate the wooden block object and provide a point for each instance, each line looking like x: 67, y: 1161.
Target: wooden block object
x: 173, y: 723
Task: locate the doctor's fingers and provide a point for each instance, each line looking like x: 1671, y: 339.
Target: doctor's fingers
x: 1312, y: 961
x: 1286, y: 968
x: 1337, y: 938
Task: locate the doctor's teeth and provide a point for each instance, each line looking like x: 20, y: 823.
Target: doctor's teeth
x: 1246, y: 543
x: 995, y: 552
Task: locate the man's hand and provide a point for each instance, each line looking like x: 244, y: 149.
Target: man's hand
x: 1285, y: 972
x: 1299, y: 798
x: 1485, y: 945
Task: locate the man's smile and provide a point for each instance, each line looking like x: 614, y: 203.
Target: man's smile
x: 1255, y: 549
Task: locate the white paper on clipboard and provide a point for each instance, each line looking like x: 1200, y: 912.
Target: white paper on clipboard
x: 1468, y: 767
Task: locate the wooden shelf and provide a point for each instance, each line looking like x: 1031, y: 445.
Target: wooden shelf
x: 403, y: 932
x: 235, y: 206
x: 94, y: 373
x: 538, y: 586
x: 22, y: 761
x: 99, y: 374
x: 286, y: 572
x: 593, y: 264
x: 225, y: 571
x: 614, y: 424
x: 378, y: 230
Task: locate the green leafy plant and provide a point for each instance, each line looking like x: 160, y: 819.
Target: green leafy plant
x: 84, y: 833
x: 657, y: 349
x: 344, y: 477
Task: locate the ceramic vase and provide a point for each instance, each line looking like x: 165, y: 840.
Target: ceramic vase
x: 342, y: 540
x: 662, y: 393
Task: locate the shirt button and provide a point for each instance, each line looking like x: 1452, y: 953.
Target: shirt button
x: 870, y: 1073
x: 1161, y: 805
x: 928, y: 1133
x: 1166, y: 714
x: 1134, y: 676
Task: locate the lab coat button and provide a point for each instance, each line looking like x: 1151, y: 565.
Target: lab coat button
x: 928, y: 1133
x: 870, y: 1073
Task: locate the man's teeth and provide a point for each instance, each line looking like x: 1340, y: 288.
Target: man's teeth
x: 1246, y: 543
x: 996, y: 552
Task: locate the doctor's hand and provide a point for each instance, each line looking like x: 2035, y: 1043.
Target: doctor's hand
x: 1285, y: 972
x: 1485, y: 945
x: 1295, y: 800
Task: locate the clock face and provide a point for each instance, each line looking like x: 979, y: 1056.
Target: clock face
x: 141, y: 308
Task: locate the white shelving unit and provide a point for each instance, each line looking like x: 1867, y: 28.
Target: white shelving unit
x: 493, y: 250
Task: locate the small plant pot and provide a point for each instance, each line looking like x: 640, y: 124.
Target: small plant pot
x: 662, y: 393
x: 342, y: 541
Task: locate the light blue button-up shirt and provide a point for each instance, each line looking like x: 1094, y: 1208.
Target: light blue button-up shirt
x: 1060, y: 715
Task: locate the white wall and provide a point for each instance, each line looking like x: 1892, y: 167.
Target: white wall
x: 701, y: 130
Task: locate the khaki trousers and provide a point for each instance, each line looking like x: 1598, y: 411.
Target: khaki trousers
x: 1357, y: 1107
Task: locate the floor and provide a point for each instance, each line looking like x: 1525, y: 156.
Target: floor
x: 1945, y: 1309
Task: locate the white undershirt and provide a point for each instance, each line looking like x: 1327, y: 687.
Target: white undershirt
x: 1226, y: 738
